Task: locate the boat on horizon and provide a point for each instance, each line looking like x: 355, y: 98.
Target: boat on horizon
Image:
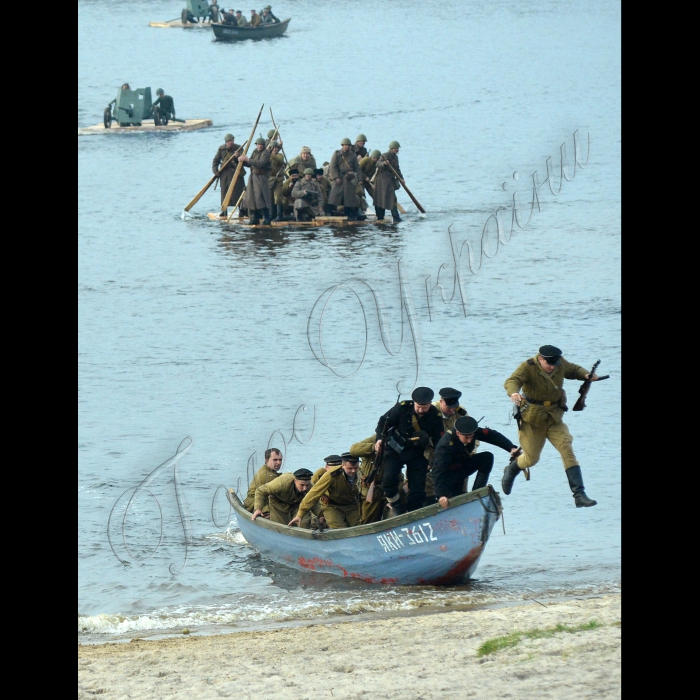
x: 433, y: 545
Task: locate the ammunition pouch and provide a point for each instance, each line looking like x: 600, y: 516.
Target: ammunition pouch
x: 396, y: 441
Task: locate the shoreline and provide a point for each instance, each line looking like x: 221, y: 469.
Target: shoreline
x: 432, y: 652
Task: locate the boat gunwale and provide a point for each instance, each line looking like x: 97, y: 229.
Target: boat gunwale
x: 260, y: 28
x: 370, y: 528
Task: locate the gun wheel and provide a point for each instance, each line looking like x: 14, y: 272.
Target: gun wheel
x: 156, y: 116
x: 107, y: 118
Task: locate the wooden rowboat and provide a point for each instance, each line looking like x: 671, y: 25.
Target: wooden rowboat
x: 227, y: 32
x: 430, y: 546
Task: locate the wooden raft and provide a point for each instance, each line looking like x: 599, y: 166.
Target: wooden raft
x: 177, y: 24
x: 148, y: 126
x: 318, y: 221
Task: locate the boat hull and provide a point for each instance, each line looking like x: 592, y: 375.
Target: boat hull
x: 227, y: 32
x: 430, y: 546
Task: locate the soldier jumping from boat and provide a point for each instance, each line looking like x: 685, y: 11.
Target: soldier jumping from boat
x: 537, y: 389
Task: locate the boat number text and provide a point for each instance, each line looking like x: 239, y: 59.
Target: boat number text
x: 414, y: 535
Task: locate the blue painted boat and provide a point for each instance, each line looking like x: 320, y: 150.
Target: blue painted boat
x: 430, y: 546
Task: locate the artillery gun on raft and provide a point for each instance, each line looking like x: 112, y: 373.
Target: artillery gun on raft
x: 195, y: 11
x: 133, y: 107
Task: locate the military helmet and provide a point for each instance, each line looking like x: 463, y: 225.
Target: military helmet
x: 375, y: 154
x: 466, y: 425
x: 308, y: 171
x: 361, y: 137
x: 260, y: 140
x: 274, y: 144
x: 345, y: 142
x: 305, y: 149
x: 160, y: 91
x: 271, y: 133
x: 267, y: 7
x: 228, y: 137
x: 394, y: 144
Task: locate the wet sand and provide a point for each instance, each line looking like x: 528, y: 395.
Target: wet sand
x: 419, y: 658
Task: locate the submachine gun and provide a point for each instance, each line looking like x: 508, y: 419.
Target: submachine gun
x: 585, y: 388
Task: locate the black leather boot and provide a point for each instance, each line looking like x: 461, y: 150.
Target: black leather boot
x: 351, y: 213
x: 380, y: 213
x: 575, y: 478
x: 255, y: 219
x: 266, y: 217
x: 277, y: 208
x: 395, y: 215
x: 509, y: 474
x: 482, y: 478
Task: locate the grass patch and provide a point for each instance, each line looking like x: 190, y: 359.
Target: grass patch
x: 510, y: 640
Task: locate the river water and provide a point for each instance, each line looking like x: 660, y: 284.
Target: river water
x: 189, y: 329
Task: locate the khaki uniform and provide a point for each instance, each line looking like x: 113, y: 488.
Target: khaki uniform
x: 543, y: 422
x: 300, y: 164
x: 325, y: 184
x: 276, y: 177
x: 386, y: 184
x: 222, y: 155
x: 257, y: 195
x: 255, y: 20
x: 345, y: 167
x: 264, y: 475
x: 318, y: 474
x: 359, y: 151
x: 287, y: 188
x: 283, y: 500
x: 370, y: 512
x: 343, y: 506
x: 300, y: 188
x: 242, y: 21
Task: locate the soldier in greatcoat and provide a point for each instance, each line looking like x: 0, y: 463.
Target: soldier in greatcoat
x: 345, y: 174
x: 226, y: 174
x: 304, y: 160
x: 325, y: 185
x: 537, y: 388
x: 264, y: 475
x: 308, y: 200
x: 359, y: 147
x: 283, y: 496
x: 257, y: 198
x: 276, y: 180
x: 386, y: 183
x: 455, y: 459
x: 340, y: 487
x: 409, y: 426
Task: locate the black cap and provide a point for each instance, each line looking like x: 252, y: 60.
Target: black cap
x: 466, y: 425
x: 423, y: 394
x: 333, y: 460
x: 551, y: 353
x: 303, y: 474
x: 347, y: 457
x: 450, y: 395
x: 318, y: 171
x: 294, y: 171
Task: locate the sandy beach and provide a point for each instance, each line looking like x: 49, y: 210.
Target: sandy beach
x: 418, y: 657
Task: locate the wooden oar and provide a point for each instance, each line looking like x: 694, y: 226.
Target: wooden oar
x: 278, y: 133
x: 400, y: 208
x: 238, y: 204
x: 199, y: 194
x: 229, y: 193
x: 408, y: 192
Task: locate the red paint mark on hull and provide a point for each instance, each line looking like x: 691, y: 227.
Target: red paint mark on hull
x: 457, y: 573
x: 317, y: 563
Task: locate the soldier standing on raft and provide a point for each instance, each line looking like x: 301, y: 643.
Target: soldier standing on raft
x: 386, y: 184
x: 257, y: 197
x: 226, y: 174
x: 344, y: 172
x: 542, y: 404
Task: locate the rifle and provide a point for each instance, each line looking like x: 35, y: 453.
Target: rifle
x: 585, y: 387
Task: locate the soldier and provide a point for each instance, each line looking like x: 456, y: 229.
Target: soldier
x: 330, y: 462
x: 226, y: 174
x: 287, y: 199
x: 307, y: 197
x: 386, y: 184
x: 368, y: 165
x: 325, y: 186
x: 345, y: 174
x: 163, y: 107
x: 359, y: 147
x: 340, y: 486
x: 214, y: 11
x: 240, y: 20
x: 264, y: 475
x: 283, y: 496
x: 542, y: 405
x: 254, y: 19
x: 409, y: 426
x: 276, y: 180
x: 267, y: 17
x: 257, y: 198
x: 304, y: 160
x: 455, y: 459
